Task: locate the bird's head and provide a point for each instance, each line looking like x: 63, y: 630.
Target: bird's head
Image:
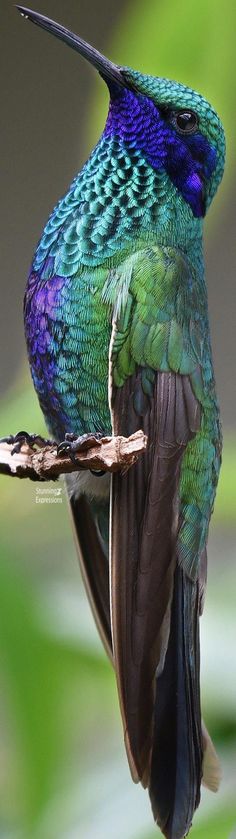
x: 172, y: 127
x: 191, y: 133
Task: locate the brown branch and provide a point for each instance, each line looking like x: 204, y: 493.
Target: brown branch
x: 110, y: 454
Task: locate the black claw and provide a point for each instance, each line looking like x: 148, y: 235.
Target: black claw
x: 65, y: 447
x: 72, y: 444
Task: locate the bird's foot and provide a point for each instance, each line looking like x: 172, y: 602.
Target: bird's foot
x: 22, y: 438
x: 72, y: 444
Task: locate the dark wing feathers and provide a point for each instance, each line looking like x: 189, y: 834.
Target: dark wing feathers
x: 143, y: 536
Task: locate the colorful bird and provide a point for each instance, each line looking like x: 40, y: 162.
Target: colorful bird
x: 116, y: 322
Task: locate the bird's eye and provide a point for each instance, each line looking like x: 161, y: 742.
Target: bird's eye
x: 185, y: 121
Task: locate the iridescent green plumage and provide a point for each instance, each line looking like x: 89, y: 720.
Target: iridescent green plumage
x: 117, y: 329
x: 165, y: 327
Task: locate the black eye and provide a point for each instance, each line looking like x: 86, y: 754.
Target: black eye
x: 185, y: 121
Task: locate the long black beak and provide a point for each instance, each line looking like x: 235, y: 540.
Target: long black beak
x: 106, y: 68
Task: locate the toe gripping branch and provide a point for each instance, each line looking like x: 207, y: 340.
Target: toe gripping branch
x: 23, y: 438
x: 32, y: 456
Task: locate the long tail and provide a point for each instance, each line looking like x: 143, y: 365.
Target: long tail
x: 176, y: 766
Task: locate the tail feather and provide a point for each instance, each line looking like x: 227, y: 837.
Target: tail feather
x: 211, y: 765
x: 91, y: 548
x: 176, y: 772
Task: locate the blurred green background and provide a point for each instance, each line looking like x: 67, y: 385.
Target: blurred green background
x: 63, y: 770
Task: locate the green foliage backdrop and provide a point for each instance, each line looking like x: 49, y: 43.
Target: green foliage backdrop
x: 63, y: 770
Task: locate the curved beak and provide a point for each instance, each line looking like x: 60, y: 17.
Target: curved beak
x: 106, y: 68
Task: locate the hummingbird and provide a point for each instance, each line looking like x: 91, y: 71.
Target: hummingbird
x: 117, y: 331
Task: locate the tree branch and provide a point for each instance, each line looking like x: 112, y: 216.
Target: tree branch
x: 109, y: 454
